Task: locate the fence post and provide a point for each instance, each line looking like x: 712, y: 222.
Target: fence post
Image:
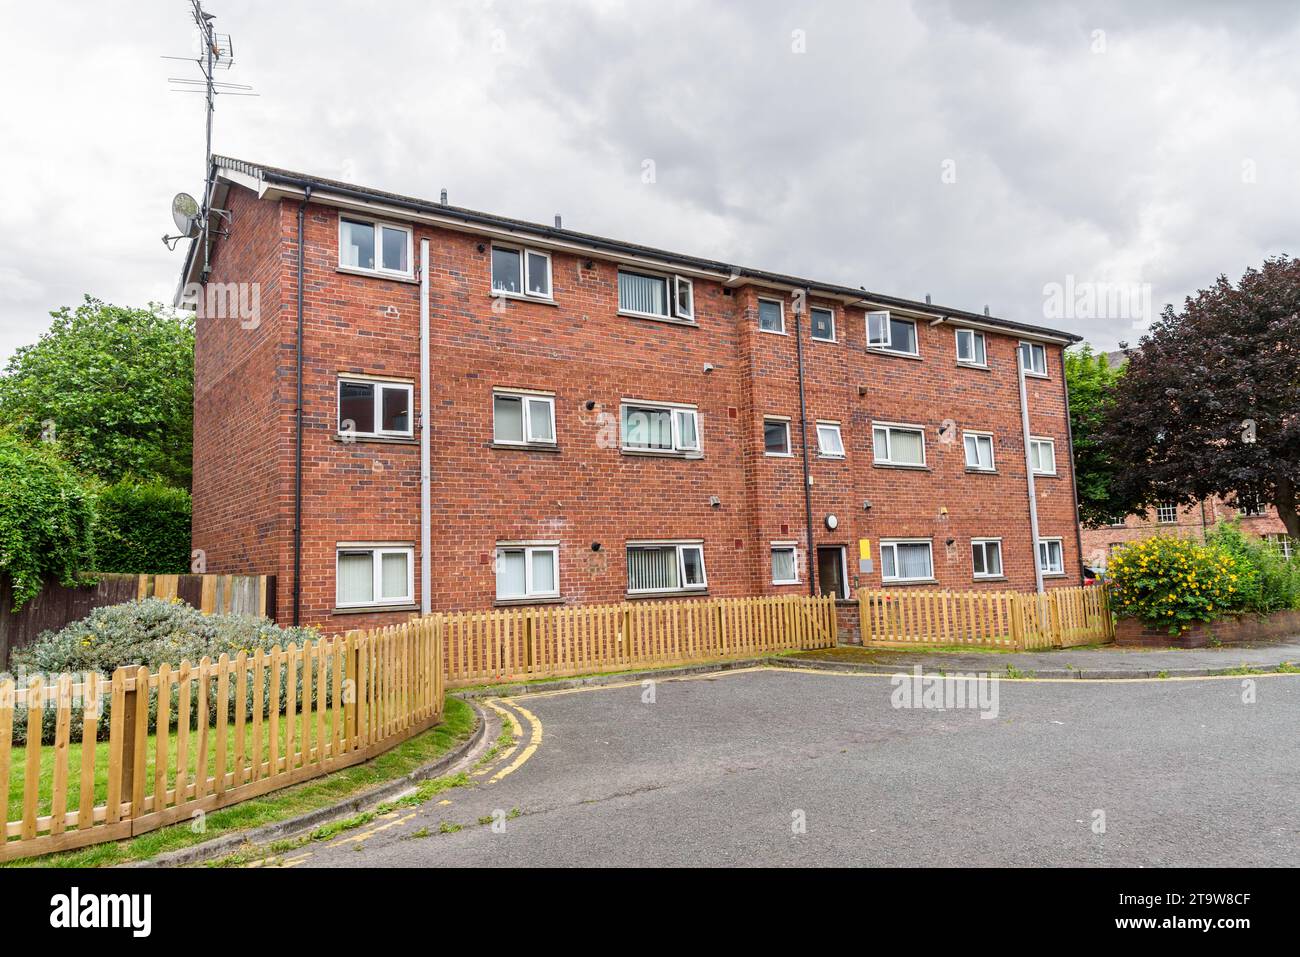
x: 352, y: 665
x: 528, y: 642
x: 1017, y: 622
x: 1054, y: 615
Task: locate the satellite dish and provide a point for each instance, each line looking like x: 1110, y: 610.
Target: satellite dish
x: 185, y: 214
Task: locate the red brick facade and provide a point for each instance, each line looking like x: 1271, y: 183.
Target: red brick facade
x: 1187, y: 522
x: 587, y: 490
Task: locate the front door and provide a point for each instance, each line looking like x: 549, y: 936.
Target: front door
x: 830, y: 571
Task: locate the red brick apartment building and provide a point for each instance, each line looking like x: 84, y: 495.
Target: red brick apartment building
x: 604, y: 421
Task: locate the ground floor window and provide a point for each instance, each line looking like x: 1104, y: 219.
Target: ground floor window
x: 665, y: 567
x: 527, y: 570
x: 903, y: 560
x: 785, y: 564
x: 374, y: 575
x: 1051, y: 557
x: 1285, y: 544
x: 986, y: 557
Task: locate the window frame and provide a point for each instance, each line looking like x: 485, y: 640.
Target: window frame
x: 1034, y: 348
x: 793, y: 548
x: 681, y: 545
x: 812, y: 335
x: 892, y: 543
x: 1170, y: 506
x: 983, y: 544
x: 524, y: 396
x: 524, y: 272
x: 839, y: 435
x: 888, y: 461
x: 993, y: 456
x: 1038, y: 440
x: 784, y: 421
x: 984, y: 347
x: 377, y: 419
x: 888, y: 345
x: 1049, y: 540
x: 528, y: 549
x: 670, y: 281
x: 675, y: 411
x: 376, y: 550
x: 780, y: 311
x: 378, y: 269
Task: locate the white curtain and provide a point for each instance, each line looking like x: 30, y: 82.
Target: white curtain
x: 913, y: 561
x: 782, y: 564
x: 393, y: 575
x: 540, y: 428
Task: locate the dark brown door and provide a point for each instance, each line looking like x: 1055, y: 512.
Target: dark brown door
x: 830, y: 571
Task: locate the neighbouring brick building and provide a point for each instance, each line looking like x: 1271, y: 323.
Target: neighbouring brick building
x: 606, y: 421
x: 1186, y: 521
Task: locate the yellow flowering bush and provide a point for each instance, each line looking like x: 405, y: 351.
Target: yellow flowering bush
x: 1171, y: 582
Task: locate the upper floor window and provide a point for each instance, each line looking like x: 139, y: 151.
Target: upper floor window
x: 527, y: 570
x: 886, y: 333
x: 898, y: 444
x: 1167, y: 513
x: 776, y: 436
x: 903, y: 560
x: 830, y: 443
x: 970, y: 348
x: 660, y: 428
x: 1042, y: 455
x: 521, y: 272
x: 771, y: 315
x: 656, y: 297
x: 523, y: 419
x: 371, y: 407
x: 822, y: 323
x: 665, y: 567
x: 1033, y: 358
x: 1249, y: 507
x: 374, y: 247
x: 374, y: 575
x: 979, y: 451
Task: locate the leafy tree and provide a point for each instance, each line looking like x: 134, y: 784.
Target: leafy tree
x: 1091, y: 380
x: 1210, y: 401
x: 111, y: 388
x: 46, y: 519
x: 142, y: 528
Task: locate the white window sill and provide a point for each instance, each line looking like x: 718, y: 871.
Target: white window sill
x: 787, y: 583
x: 829, y: 342
x: 376, y: 274
x: 1036, y: 375
x: 357, y: 439
x: 778, y: 455
x: 893, y: 465
x: 831, y: 458
x: 671, y: 320
x: 877, y: 350
x: 982, y: 366
x: 520, y: 297
x: 989, y: 578
x: 773, y: 332
x: 971, y: 470
x: 1051, y: 475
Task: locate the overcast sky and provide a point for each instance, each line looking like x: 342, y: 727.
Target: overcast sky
x: 971, y: 150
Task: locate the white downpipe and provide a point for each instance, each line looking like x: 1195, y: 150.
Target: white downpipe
x: 1029, y: 471
x: 426, y: 546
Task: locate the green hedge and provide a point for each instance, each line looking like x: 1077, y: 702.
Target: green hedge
x: 142, y: 528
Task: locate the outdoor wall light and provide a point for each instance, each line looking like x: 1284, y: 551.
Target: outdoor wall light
x: 832, y: 522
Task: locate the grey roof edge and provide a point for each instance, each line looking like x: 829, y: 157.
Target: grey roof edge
x: 272, y: 174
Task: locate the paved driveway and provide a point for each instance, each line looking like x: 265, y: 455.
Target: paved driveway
x: 718, y: 770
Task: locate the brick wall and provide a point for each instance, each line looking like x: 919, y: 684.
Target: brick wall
x: 1191, y: 522
x: 585, y: 492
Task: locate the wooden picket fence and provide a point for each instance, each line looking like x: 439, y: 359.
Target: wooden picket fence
x: 194, y: 738
x: 518, y: 644
x: 1058, y: 618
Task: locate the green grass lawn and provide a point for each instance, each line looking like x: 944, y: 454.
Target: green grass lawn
x: 457, y: 725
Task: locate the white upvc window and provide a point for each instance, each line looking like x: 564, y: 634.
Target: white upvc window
x: 821, y: 322
x: 1283, y: 543
x: 527, y: 570
x: 375, y: 408
x: 886, y: 333
x: 898, y: 444
x: 657, y: 567
x: 1051, y: 556
x: 1167, y: 513
x: 523, y: 418
x: 785, y: 563
x: 1042, y: 455
x: 979, y: 451
x: 776, y: 436
x: 661, y: 427
x: 986, y: 557
x: 771, y: 315
x: 651, y: 296
x: 371, y: 246
x: 830, y: 442
x: 368, y: 574
x: 519, y: 271
x: 906, y: 559
x: 1033, y: 358
x: 971, y: 350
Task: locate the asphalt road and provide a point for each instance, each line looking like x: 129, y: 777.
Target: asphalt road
x: 718, y: 770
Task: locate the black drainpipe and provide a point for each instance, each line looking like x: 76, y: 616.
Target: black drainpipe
x: 297, y: 466
x: 803, y: 436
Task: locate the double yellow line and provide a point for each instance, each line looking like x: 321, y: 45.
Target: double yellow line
x: 510, y: 717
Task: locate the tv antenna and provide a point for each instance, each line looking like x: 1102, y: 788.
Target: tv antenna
x: 213, y: 51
